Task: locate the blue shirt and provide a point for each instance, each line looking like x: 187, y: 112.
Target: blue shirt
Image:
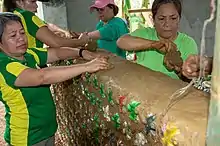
x: 110, y: 33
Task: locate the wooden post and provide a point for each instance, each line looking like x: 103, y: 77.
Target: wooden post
x: 213, y: 128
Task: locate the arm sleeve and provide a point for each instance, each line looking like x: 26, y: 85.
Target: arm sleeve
x: 40, y: 55
x: 136, y: 33
x: 10, y: 71
x: 33, y: 23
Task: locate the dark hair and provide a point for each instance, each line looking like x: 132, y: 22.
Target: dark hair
x: 9, y: 5
x: 5, y: 17
x: 157, y: 3
x: 115, y: 8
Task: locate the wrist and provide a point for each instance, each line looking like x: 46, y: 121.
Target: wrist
x: 81, y: 52
x: 86, y: 67
x: 89, y: 38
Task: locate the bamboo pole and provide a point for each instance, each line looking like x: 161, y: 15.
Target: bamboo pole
x: 123, y: 13
x: 139, y: 10
x: 213, y: 128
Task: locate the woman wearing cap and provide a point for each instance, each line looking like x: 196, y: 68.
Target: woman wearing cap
x: 109, y: 28
x: 30, y: 110
x: 38, y: 32
x: 153, y: 44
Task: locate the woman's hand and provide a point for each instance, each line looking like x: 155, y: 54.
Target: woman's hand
x: 191, y: 67
x: 74, y: 35
x: 173, y: 61
x: 91, y: 46
x: 87, y: 55
x: 164, y: 46
x: 97, y: 64
x: 84, y: 37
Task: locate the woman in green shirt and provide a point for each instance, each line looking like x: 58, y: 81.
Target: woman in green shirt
x: 151, y: 44
x: 109, y: 28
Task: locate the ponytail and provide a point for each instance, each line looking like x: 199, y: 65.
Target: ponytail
x: 9, y: 5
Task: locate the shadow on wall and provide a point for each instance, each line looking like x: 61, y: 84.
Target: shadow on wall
x: 192, y: 23
x: 79, y: 17
x: 54, y: 3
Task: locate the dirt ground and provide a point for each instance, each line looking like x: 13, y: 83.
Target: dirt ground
x: 2, y: 125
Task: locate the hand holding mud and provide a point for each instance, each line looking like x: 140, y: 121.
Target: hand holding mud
x: 172, y: 57
x: 173, y: 61
x: 91, y: 46
x: 164, y: 46
x: 74, y: 35
x: 84, y: 38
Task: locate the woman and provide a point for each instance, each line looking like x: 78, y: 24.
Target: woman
x: 38, y: 32
x: 191, y: 67
x: 151, y: 44
x: 109, y: 28
x: 30, y: 110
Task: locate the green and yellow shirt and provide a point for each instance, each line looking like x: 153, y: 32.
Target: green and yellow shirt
x: 30, y: 111
x: 31, y: 25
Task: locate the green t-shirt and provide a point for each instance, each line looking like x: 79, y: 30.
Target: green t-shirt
x: 31, y: 24
x: 154, y: 60
x: 30, y: 111
x: 110, y: 33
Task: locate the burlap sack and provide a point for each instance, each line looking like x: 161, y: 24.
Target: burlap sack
x: 89, y: 115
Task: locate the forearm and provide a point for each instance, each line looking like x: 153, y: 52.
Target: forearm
x: 52, y: 40
x: 64, y: 42
x: 55, y: 54
x: 131, y: 43
x: 54, y: 75
x: 50, y: 75
x: 95, y: 35
x: 55, y: 28
x: 67, y: 53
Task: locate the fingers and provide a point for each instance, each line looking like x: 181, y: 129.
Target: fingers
x: 74, y: 34
x: 190, y: 71
x: 168, y: 65
x: 191, y: 66
x: 101, y: 61
x: 168, y: 46
x: 103, y: 67
x: 177, y: 69
x: 158, y: 45
x: 101, y: 64
x: 190, y: 75
x: 171, y: 46
x: 83, y: 35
